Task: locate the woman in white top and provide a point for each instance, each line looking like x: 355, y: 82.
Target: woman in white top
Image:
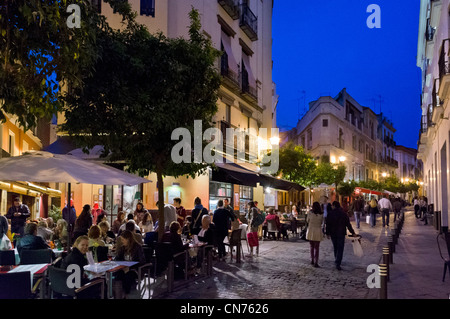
x: 146, y: 225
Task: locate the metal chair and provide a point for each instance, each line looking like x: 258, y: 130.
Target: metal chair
x: 272, y: 229
x: 235, y: 241
x: 58, y: 279
x: 36, y: 256
x: 7, y: 258
x: 15, y: 285
x: 443, y: 240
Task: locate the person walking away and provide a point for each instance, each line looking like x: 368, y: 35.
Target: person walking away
x: 221, y: 220
x: 385, y: 207
x: 397, y: 208
x: 326, y: 207
x: 358, y: 207
x: 69, y: 214
x: 423, y: 210
x: 314, y: 232
x: 337, y: 224
x: 18, y: 214
x: 416, y: 207
x: 373, y: 211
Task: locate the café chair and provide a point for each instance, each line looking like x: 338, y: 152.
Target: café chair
x: 272, y: 229
x: 36, y: 256
x: 18, y: 286
x: 235, y: 241
x: 99, y: 253
x: 443, y: 242
x: 7, y: 258
x: 58, y: 279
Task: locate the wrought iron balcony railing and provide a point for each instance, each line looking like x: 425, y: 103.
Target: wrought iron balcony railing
x: 249, y: 22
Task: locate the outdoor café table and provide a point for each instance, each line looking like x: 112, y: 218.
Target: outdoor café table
x: 108, y: 268
x: 36, y: 270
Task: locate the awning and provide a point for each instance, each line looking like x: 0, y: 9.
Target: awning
x: 232, y: 173
x: 242, y: 174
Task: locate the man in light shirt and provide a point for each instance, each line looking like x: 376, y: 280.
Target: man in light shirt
x: 385, y: 207
x: 170, y: 215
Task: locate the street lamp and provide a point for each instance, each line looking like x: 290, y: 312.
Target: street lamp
x: 384, y: 174
x: 342, y: 158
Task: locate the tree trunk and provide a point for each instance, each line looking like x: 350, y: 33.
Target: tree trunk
x: 161, y: 221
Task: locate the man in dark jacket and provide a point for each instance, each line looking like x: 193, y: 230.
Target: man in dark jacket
x: 221, y: 219
x: 337, y: 225
x: 358, y: 208
x: 69, y: 214
x: 30, y: 240
x: 18, y: 213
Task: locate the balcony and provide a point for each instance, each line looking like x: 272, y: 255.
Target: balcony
x: 437, y: 109
x: 423, y: 130
x: 248, y: 90
x: 229, y: 77
x: 249, y: 22
x: 444, y: 70
x: 231, y: 7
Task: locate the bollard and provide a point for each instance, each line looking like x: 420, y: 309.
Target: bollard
x: 391, y: 250
x: 383, y: 281
x: 386, y: 258
x: 394, y: 237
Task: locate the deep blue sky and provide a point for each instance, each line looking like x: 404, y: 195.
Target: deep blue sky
x: 322, y: 46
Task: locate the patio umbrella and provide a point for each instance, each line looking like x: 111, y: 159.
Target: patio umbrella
x: 40, y: 166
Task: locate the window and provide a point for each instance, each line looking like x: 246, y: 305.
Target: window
x: 325, y: 122
x: 309, y: 134
x: 354, y: 143
x: 341, y: 139
x: 11, y: 143
x: 147, y: 7
x: 302, y: 141
x: 228, y: 113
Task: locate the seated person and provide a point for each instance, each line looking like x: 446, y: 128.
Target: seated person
x: 129, y: 250
x: 130, y: 218
x: 206, y: 237
x: 78, y: 256
x: 174, y: 238
x: 44, y: 231
x: 61, y: 234
x: 31, y: 240
x: 186, y: 226
x: 94, y: 237
x: 106, y: 233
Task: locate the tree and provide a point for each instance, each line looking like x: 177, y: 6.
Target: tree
x: 143, y: 88
x: 39, y: 53
x: 296, y: 165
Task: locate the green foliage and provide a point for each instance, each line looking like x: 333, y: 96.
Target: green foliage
x: 327, y: 173
x: 55, y: 213
x: 144, y: 87
x: 296, y: 165
x: 39, y: 52
x: 347, y: 188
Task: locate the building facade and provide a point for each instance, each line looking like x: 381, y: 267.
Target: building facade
x: 344, y: 132
x: 434, y: 136
x: 242, y: 30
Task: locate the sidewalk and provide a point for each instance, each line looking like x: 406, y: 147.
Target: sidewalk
x: 418, y: 268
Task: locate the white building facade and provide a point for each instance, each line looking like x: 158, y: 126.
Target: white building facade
x: 433, y: 145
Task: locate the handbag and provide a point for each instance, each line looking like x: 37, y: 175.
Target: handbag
x: 368, y: 219
x: 252, y: 239
x: 357, y: 249
x: 5, y: 243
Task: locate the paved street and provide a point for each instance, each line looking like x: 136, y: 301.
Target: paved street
x: 283, y: 271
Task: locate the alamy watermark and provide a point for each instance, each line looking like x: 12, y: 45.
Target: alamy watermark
x: 374, y: 19
x: 248, y: 144
x: 373, y: 280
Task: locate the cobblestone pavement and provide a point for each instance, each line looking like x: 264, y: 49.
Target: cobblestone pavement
x: 283, y: 271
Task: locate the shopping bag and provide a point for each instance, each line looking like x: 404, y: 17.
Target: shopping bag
x: 357, y: 249
x: 252, y: 239
x: 5, y: 243
x: 368, y: 219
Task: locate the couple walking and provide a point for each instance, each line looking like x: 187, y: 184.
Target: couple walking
x: 337, y: 223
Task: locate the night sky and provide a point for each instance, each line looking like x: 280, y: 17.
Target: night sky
x: 322, y: 46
